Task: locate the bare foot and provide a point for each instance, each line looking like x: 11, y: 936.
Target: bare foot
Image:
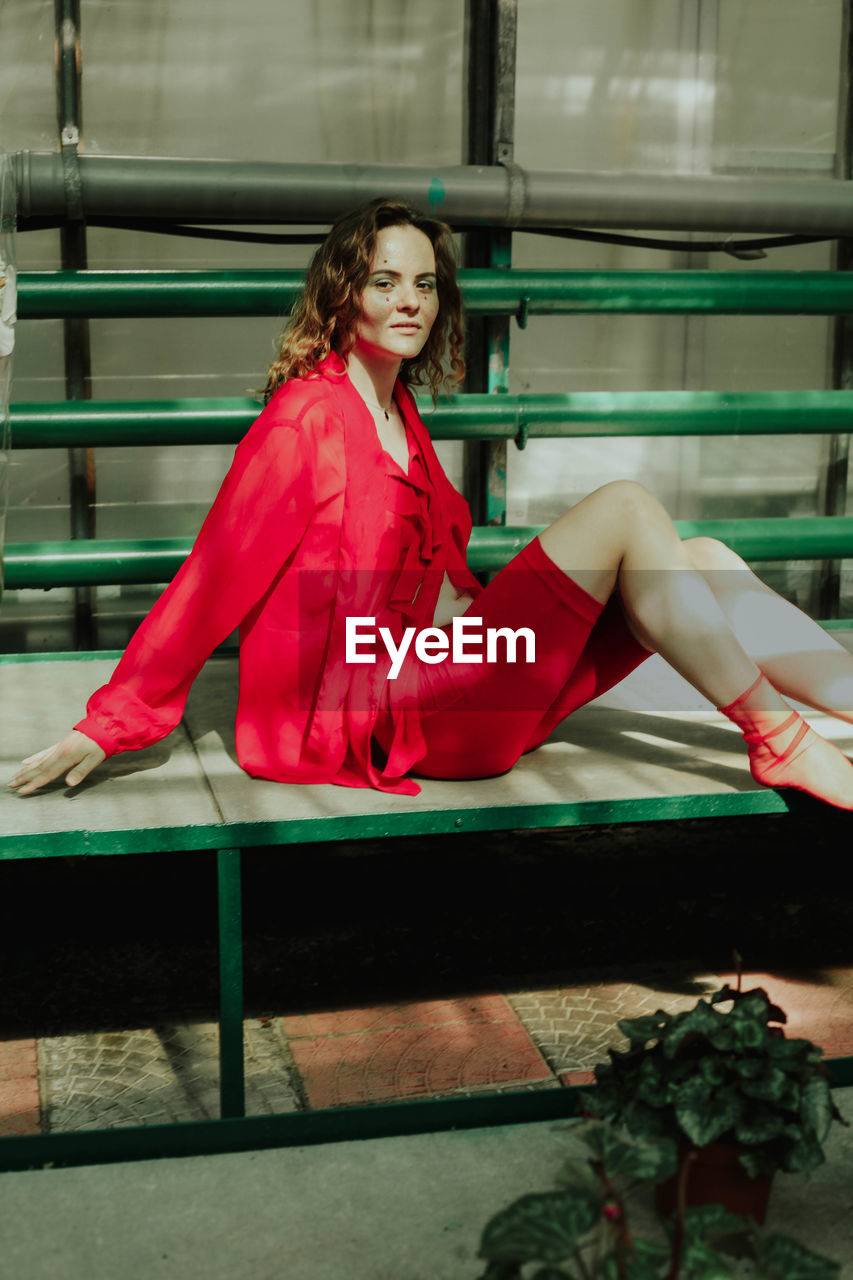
x: 794, y: 755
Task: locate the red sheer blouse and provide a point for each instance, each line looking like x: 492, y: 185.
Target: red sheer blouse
x: 314, y: 523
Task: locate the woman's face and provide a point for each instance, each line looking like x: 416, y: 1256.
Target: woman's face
x: 400, y: 300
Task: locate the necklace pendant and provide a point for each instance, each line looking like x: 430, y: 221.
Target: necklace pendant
x: 387, y: 415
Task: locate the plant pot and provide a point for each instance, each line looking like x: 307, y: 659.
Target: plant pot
x: 715, y: 1176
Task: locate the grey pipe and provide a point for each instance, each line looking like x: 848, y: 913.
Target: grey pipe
x: 224, y: 191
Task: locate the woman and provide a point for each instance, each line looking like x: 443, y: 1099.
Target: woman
x: 336, y: 515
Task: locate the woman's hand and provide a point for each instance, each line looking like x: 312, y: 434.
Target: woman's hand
x: 76, y: 756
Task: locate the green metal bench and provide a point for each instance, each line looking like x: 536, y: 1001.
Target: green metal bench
x: 618, y: 761
x: 601, y: 769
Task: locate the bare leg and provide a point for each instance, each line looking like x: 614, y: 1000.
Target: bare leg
x: 801, y: 659
x: 621, y: 538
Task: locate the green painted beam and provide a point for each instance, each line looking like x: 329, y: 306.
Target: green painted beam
x: 93, y: 562
x: 92, y: 423
x: 102, y: 294
x: 257, y: 1133
x: 232, y: 1085
x: 338, y: 1124
x: 109, y: 294
x: 324, y: 827
x: 805, y: 538
x: 98, y: 562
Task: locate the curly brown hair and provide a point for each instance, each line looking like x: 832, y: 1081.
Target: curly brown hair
x: 324, y: 315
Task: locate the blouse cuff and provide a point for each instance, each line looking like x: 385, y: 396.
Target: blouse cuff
x: 94, y: 730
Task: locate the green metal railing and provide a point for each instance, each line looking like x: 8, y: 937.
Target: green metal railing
x: 583, y: 413
x: 99, y: 562
x: 102, y: 294
x: 76, y: 424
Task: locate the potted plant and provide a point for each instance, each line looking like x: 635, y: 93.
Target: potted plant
x: 583, y: 1230
x: 739, y: 1099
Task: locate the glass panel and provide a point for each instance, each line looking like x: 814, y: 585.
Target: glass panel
x: 350, y: 80
x: 27, y: 81
x: 597, y: 85
x: 363, y: 81
x: 776, y: 98
x: 668, y: 86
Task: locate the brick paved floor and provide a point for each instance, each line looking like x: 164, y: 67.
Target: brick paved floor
x: 409, y: 1051
x: 157, y: 1075
x: 573, y: 1029
x: 403, y: 1050
x: 19, y: 1087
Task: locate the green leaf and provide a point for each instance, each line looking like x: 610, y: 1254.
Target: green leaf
x: 792, y: 1097
x: 753, y: 1007
x: 644, y: 1263
x: 622, y: 1154
x: 701, y: 1020
x: 640, y: 1030
x: 783, y: 1097
x: 771, y: 1084
x: 806, y: 1153
x: 816, y: 1110
x: 725, y: 993
x: 763, y: 1004
x: 591, y: 1101
x: 578, y: 1175
x: 749, y: 1035
x: 756, y: 1002
x: 759, y: 1124
x: 750, y: 1068
x: 705, y: 1113
x: 652, y: 1081
x: 648, y: 1122
x: 789, y: 1053
x: 713, y: 1222
x: 757, y: 1163
x: 651, y: 1252
x: 713, y: 1070
x: 705, y: 1263
x: 637, y: 1268
x: 541, y: 1227
x: 781, y: 1258
x: 652, y: 1068
x: 502, y: 1271
x: 655, y: 1097
x: 551, y: 1273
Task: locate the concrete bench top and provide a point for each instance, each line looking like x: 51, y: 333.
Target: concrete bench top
x: 652, y: 748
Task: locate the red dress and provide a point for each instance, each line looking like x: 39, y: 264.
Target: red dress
x: 315, y: 524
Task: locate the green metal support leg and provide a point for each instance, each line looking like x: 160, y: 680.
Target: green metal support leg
x: 232, y: 1099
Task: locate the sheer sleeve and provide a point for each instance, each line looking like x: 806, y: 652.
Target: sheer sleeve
x: 258, y: 518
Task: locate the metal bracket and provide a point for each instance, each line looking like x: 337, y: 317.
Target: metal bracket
x: 517, y: 194
x: 71, y: 178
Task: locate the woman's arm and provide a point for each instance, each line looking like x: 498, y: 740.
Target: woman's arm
x: 259, y: 516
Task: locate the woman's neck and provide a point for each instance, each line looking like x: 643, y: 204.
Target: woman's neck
x: 373, y: 381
